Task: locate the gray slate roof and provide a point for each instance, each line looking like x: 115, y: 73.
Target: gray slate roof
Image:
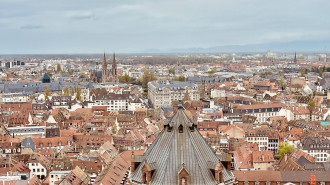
x: 171, y: 149
x: 28, y: 143
x: 39, y: 86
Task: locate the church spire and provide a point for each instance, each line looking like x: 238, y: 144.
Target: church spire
x: 114, y: 73
x: 104, y: 69
x: 295, y: 57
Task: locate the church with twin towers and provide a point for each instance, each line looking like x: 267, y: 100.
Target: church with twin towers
x: 106, y: 75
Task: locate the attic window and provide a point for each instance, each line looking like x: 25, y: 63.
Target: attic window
x: 180, y: 129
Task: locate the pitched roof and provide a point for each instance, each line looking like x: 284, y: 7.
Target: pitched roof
x: 261, y: 106
x: 180, y: 142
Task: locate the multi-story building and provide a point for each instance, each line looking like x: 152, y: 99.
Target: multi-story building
x: 248, y: 157
x: 56, y: 176
x: 9, y: 145
x: 317, y: 147
x: 164, y: 92
x: 56, y: 143
x: 37, y: 168
x: 15, y: 97
x: 258, y: 136
x: 112, y: 101
x: 262, y: 111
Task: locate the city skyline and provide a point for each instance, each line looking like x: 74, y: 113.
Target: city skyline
x: 35, y: 27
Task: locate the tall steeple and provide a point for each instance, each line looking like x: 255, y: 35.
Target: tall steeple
x: 295, y: 57
x: 104, y: 69
x: 114, y: 73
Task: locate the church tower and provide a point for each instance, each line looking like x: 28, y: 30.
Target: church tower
x: 114, y: 73
x: 104, y: 70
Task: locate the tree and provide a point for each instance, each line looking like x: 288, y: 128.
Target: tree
x: 114, y: 129
x: 212, y: 71
x: 283, y: 85
x: 58, y: 68
x: 66, y: 91
x: 71, y: 91
x: 285, y: 148
x: 82, y: 75
x: 70, y: 72
x: 303, y: 72
x: 147, y: 77
x: 78, y: 93
x: 124, y: 78
x: 320, y: 72
x: 47, y: 92
x: 179, y: 78
x: 311, y: 104
x: 310, y: 107
x: 171, y: 71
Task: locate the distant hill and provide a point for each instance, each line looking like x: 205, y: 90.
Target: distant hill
x: 299, y: 46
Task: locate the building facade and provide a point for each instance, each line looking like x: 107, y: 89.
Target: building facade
x: 164, y: 92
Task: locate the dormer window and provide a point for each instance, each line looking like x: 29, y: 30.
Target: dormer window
x: 180, y: 128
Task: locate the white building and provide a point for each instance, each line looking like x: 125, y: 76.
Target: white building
x: 57, y: 176
x: 113, y: 102
x: 217, y: 93
x: 262, y: 111
x: 317, y: 147
x: 15, y: 97
x: 164, y: 92
x: 37, y: 169
x: 38, y: 131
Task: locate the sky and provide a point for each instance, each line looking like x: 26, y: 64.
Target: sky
x: 124, y: 26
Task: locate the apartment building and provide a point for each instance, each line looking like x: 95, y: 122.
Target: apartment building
x: 317, y: 147
x: 111, y: 101
x: 262, y: 111
x: 164, y: 92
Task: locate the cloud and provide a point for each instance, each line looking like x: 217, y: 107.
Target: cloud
x: 31, y: 27
x: 136, y: 25
x: 80, y: 15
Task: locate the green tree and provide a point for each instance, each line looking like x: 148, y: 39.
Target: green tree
x: 303, y: 72
x: 114, y: 129
x: 171, y: 71
x: 66, y: 91
x: 179, y: 78
x: 124, y: 78
x: 320, y: 72
x: 58, y: 68
x: 78, y: 93
x: 285, y: 148
x: 70, y: 72
x: 212, y: 71
x: 47, y: 92
x: 311, y: 104
x: 147, y: 77
x: 72, y: 91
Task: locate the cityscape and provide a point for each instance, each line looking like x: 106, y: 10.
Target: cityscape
x: 167, y: 94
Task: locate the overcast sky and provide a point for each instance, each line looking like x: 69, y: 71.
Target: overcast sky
x: 92, y: 26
